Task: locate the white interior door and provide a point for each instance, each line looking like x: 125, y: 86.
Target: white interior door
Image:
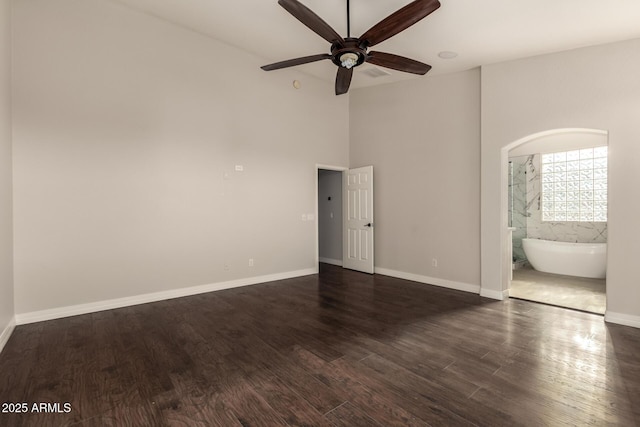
x: 357, y: 248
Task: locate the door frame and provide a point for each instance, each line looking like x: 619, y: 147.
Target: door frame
x: 317, y: 243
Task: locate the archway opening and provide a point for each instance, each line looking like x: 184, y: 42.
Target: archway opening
x: 554, y: 201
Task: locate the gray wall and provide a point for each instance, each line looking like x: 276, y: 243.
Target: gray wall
x: 6, y: 198
x: 597, y: 88
x: 127, y: 131
x: 330, y: 216
x: 422, y: 138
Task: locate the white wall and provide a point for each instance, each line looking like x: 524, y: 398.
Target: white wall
x: 127, y: 130
x: 6, y: 198
x: 330, y: 216
x: 422, y: 138
x: 597, y: 88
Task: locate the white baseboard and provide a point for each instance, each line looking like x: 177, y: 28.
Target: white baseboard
x: 429, y: 280
x: 494, y: 294
x: 331, y: 261
x: 622, y: 319
x: 74, y: 310
x: 6, y: 333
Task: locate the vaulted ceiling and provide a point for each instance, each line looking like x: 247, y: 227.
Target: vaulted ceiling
x: 480, y: 31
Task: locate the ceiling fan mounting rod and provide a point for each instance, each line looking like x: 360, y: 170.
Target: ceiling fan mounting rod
x: 348, y: 19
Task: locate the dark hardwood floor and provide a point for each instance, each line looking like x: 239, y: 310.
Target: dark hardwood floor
x: 335, y: 349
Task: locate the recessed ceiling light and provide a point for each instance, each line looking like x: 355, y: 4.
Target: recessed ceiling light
x: 447, y: 54
x: 296, y: 84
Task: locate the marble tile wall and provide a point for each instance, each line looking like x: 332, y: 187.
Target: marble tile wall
x: 580, y: 232
x: 534, y: 227
x: 518, y: 204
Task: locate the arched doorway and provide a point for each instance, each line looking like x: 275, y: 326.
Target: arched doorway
x: 539, y: 215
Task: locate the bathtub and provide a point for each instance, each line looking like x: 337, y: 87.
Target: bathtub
x: 571, y: 259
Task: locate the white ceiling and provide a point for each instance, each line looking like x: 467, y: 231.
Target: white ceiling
x: 480, y: 31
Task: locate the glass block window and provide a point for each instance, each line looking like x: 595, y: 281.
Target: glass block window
x: 574, y: 185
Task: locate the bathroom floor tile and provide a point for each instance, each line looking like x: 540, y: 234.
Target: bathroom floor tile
x: 565, y: 291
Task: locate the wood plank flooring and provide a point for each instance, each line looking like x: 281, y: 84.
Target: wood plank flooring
x: 336, y: 349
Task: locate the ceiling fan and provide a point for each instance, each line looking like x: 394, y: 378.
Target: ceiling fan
x: 351, y: 52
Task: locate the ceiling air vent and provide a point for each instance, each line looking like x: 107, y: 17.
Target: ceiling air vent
x: 375, y: 72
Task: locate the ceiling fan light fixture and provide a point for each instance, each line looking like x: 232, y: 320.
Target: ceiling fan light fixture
x: 349, y: 60
x: 350, y: 52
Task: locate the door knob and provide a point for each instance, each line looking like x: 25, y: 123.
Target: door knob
x: 368, y: 225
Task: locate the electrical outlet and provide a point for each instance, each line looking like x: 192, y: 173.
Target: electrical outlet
x: 434, y: 262
x: 226, y: 266
x: 304, y: 217
x: 250, y: 262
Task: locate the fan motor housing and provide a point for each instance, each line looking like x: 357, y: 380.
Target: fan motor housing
x: 350, y: 45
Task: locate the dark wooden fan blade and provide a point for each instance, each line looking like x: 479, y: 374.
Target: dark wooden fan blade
x: 296, y: 61
x: 399, y: 21
x: 395, y: 62
x: 343, y: 80
x: 311, y: 20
